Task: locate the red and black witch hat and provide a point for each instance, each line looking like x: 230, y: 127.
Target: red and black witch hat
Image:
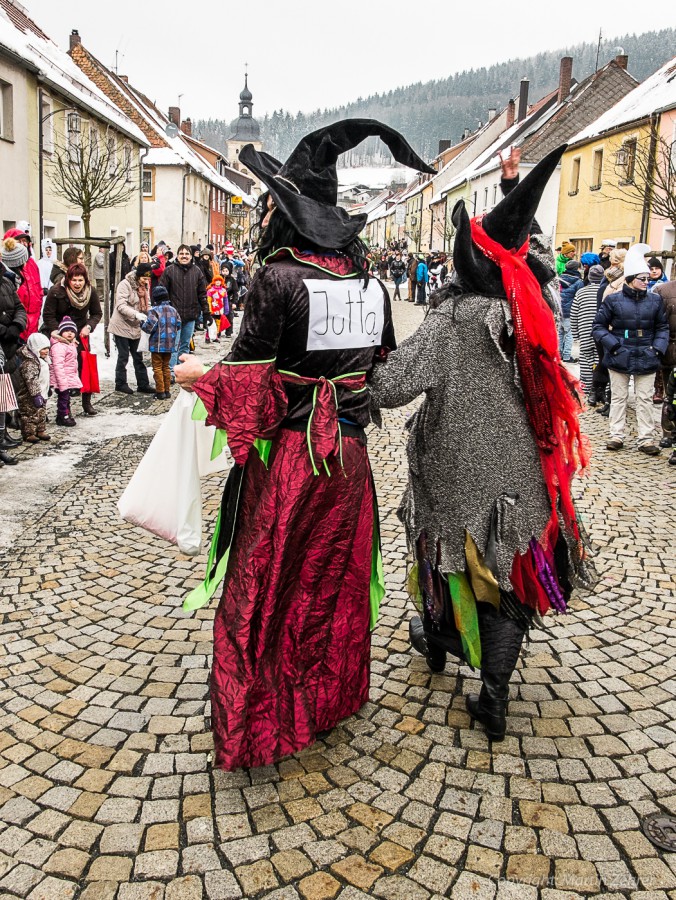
x: 305, y: 187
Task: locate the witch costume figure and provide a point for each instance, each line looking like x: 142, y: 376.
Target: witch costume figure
x: 493, y: 449
x: 297, y: 539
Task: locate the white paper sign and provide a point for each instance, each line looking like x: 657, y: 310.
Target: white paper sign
x: 344, y: 315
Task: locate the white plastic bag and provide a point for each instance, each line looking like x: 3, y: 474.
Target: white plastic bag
x: 144, y: 342
x: 164, y: 494
x: 212, y: 331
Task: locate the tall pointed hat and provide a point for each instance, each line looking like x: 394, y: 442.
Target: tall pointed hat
x: 305, y: 187
x: 509, y: 223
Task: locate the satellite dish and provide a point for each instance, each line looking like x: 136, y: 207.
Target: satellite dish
x: 171, y: 130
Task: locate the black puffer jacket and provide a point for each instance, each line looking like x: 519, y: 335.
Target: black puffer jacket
x: 13, y: 319
x: 632, y: 328
x: 187, y: 290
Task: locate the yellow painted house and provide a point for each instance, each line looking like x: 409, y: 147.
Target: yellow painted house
x: 602, y: 192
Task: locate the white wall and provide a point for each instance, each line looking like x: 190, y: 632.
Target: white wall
x: 16, y: 154
x: 163, y: 214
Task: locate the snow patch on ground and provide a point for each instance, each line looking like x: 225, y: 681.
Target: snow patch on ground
x: 33, y: 480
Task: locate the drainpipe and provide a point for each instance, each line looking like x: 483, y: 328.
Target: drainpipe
x: 648, y: 193
x: 141, y: 156
x: 185, y: 175
x: 41, y: 200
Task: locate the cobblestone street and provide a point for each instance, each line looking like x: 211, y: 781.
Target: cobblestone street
x: 106, y: 792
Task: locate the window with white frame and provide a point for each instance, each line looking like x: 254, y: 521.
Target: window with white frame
x: 148, y: 185
x: 93, y: 145
x: 597, y: 170
x: 127, y: 161
x: 112, y: 154
x: 6, y: 111
x: 74, y: 136
x: 574, y: 177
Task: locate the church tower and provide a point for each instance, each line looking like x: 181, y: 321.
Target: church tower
x: 244, y: 129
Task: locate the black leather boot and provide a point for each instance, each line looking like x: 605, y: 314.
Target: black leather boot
x: 87, y: 407
x: 7, y: 460
x: 501, y: 640
x: 7, y: 442
x: 592, y: 399
x: 490, y: 706
x: 434, y: 655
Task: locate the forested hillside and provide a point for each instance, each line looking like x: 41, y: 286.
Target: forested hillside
x: 436, y: 110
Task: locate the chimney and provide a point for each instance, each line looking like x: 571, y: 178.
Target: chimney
x: 510, y: 114
x: 622, y: 59
x: 492, y: 112
x: 565, y: 78
x: 444, y: 145
x: 175, y: 116
x: 523, y: 100
x: 75, y: 39
x: 186, y: 127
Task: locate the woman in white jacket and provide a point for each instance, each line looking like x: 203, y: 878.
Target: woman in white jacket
x: 132, y: 300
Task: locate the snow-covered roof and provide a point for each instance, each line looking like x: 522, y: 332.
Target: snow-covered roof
x: 176, y: 150
x: 57, y: 70
x: 655, y: 94
x: 180, y: 154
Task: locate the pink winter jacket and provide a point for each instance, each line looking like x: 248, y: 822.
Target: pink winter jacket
x: 63, y: 365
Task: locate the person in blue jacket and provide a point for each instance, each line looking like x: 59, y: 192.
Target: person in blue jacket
x: 631, y: 325
x: 657, y: 275
x: 570, y: 283
x: 422, y: 276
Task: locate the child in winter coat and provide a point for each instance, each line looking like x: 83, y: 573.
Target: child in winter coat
x: 162, y: 324
x: 32, y: 381
x: 63, y: 369
x: 217, y: 296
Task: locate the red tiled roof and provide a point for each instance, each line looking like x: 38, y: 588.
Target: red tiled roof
x: 20, y: 18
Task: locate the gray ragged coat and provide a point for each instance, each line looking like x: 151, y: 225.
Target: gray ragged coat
x: 471, y: 449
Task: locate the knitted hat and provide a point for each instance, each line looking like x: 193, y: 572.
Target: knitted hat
x: 634, y: 261
x: 14, y: 254
x: 573, y: 267
x: 654, y: 263
x: 159, y: 295
x: 67, y: 324
x: 143, y: 270
x: 595, y: 274
x: 567, y: 247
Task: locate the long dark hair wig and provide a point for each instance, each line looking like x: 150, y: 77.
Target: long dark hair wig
x: 280, y: 232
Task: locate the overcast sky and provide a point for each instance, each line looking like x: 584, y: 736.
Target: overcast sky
x: 305, y: 55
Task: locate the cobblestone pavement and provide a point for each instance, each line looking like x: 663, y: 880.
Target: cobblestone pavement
x: 105, y: 785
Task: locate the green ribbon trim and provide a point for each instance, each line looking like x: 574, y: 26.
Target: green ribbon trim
x: 311, y: 265
x: 219, y: 444
x: 202, y: 594
x: 314, y: 406
x: 199, y: 412
x: 263, y: 446
x: 466, y: 617
x: 377, y: 586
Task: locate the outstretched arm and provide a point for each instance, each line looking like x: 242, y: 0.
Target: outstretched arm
x: 413, y: 368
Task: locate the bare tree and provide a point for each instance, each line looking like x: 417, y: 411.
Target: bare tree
x: 646, y: 180
x: 90, y: 172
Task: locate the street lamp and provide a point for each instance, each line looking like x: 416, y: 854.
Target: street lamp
x: 73, y: 126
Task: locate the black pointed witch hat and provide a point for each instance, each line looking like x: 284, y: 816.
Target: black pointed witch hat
x: 305, y: 187
x: 509, y: 223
